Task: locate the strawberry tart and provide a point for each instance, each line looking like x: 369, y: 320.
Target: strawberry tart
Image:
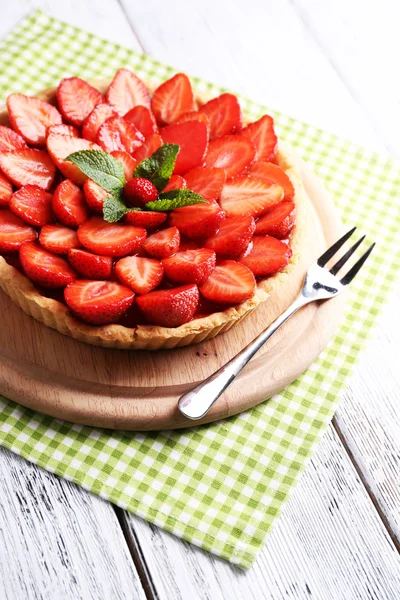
x: 143, y: 217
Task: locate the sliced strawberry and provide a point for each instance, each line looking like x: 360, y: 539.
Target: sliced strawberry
x: 68, y: 130
x: 248, y: 196
x: 61, y: 146
x: 233, y: 237
x: 270, y: 173
x: 76, y: 99
x: 13, y: 232
x: 262, y: 134
x: 148, y: 147
x: 140, y: 274
x: 191, y: 266
x: 90, y: 266
x: 229, y: 283
x: 175, y: 183
x: 45, y: 268
x: 30, y: 117
x: 94, y: 196
x: 198, y: 221
x: 5, y: 191
x: 117, y: 134
x: 33, y: 205
x: 170, y: 308
x: 110, y: 239
x: 69, y: 204
x: 206, y: 181
x: 192, y: 138
x: 224, y: 114
x: 172, y: 98
x: 195, y: 115
x: 233, y: 153
x: 58, y: 239
x: 164, y: 243
x: 127, y: 91
x: 127, y: 161
x: 95, y: 120
x: 278, y: 221
x: 11, y: 140
x: 28, y: 166
x: 188, y: 245
x: 147, y: 218
x: 267, y: 256
x: 143, y: 119
x: 98, y: 302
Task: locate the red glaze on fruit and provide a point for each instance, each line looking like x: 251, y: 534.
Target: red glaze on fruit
x: 164, y: 243
x: 233, y: 153
x: 148, y: 147
x: 68, y: 130
x: 33, y: 205
x: 267, y: 256
x: 191, y: 266
x: 117, y: 134
x: 233, y: 237
x: 95, y: 120
x: 139, y: 191
x: 69, y: 204
x: 224, y: 114
x: 45, y: 268
x: 278, y: 221
x: 58, y: 239
x: 198, y: 221
x: 127, y: 91
x: 248, y: 196
x: 172, y: 98
x: 169, y: 308
x: 28, y: 167
x: 147, y: 218
x: 11, y: 140
x: 127, y: 161
x: 229, y: 283
x: 30, y: 117
x: 90, y: 266
x: 206, y: 181
x: 5, y: 191
x: 195, y: 115
x: 262, y: 134
x: 98, y: 302
x: 143, y: 119
x: 110, y: 239
x: 94, y: 196
x: 175, y: 183
x: 192, y: 139
x: 271, y: 173
x: 61, y: 146
x: 76, y: 99
x: 13, y: 232
x: 140, y: 274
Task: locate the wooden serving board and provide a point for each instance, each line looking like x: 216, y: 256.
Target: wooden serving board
x: 138, y: 390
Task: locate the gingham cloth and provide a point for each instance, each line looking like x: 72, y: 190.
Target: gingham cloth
x: 219, y: 486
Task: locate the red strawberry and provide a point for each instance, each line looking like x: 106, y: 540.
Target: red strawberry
x: 145, y: 218
x: 28, y: 166
x: 69, y: 204
x: 140, y: 274
x: 198, y: 221
x: 127, y: 162
x: 76, y: 99
x: 175, y: 183
x: 188, y: 245
x: 127, y: 91
x: 31, y: 116
x: 267, y: 256
x: 172, y: 98
x: 117, y: 134
x: 278, y: 221
x: 58, y: 239
x: 110, y: 239
x: 248, y: 196
x: 270, y: 173
x: 139, y: 191
x: 45, y: 268
x: 233, y: 237
x: 206, y: 181
x: 61, y: 146
x: 192, y: 266
x: 262, y: 134
x: 11, y: 140
x: 195, y: 115
x: 148, y: 147
x: 192, y: 138
x: 233, y: 153
x: 143, y: 119
x: 170, y: 308
x: 5, y: 191
x: 90, y: 266
x: 13, y: 232
x: 229, y: 283
x: 95, y: 120
x: 164, y: 243
x: 32, y: 204
x: 94, y: 196
x: 98, y: 302
x: 224, y: 114
x: 68, y: 130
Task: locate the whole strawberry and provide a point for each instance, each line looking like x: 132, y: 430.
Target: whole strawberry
x: 139, y: 191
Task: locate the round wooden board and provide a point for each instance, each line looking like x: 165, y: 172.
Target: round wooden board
x: 138, y: 390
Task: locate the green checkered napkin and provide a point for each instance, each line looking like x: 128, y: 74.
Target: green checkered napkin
x: 219, y: 486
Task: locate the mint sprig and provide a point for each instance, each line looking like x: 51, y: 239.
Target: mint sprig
x: 100, y: 166
x: 175, y: 199
x: 114, y: 209
x: 158, y: 167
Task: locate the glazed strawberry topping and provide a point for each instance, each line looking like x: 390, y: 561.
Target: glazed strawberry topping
x: 5, y: 191
x: 98, y: 302
x: 33, y: 205
x: 224, y: 115
x: 127, y: 91
x: 30, y: 117
x: 172, y: 99
x: 76, y: 100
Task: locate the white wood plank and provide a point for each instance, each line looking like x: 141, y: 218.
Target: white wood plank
x: 58, y: 541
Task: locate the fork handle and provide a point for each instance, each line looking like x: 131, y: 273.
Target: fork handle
x: 196, y: 403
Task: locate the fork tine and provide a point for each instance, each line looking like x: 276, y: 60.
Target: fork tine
x: 355, y: 268
x: 336, y: 268
x: 334, y: 248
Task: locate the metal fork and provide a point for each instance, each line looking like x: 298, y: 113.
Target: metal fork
x: 320, y: 283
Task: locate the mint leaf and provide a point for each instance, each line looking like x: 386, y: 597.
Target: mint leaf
x: 159, y: 166
x: 113, y: 209
x: 100, y: 166
x: 175, y: 199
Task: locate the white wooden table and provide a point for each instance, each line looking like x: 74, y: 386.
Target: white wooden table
x: 333, y: 63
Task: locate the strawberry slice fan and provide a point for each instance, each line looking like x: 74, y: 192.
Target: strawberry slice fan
x: 158, y: 217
